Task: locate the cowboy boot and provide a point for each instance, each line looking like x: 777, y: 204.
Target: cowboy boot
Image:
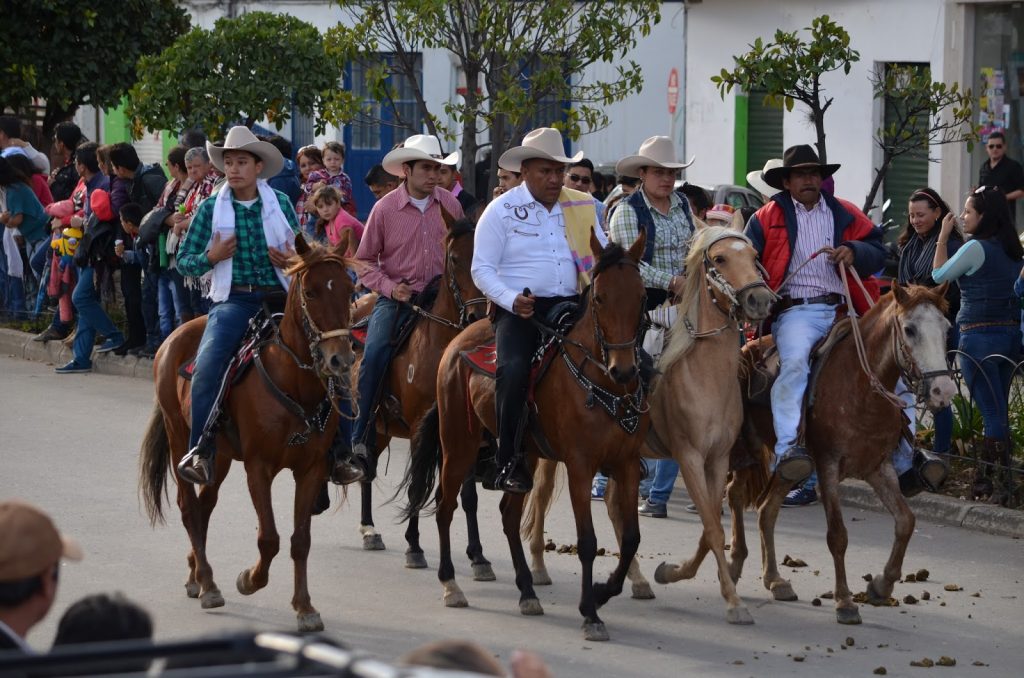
x: 513, y: 476
x: 1002, y: 473
x: 344, y: 467
x: 196, y: 466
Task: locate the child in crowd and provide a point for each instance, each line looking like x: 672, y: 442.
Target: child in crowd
x: 136, y: 261
x: 332, y: 175
x: 309, y: 160
x: 333, y: 220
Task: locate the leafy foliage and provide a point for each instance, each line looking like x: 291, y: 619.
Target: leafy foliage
x: 517, y: 54
x: 250, y: 67
x: 72, y: 53
x: 790, y: 68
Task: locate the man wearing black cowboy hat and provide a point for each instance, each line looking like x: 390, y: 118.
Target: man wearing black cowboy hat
x: 787, y: 232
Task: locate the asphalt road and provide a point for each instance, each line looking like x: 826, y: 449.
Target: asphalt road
x: 70, y: 444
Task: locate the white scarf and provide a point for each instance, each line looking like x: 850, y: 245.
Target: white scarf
x: 276, y: 229
x: 15, y: 268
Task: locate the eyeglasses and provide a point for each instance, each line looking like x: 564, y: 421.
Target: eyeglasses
x: 578, y: 179
x: 995, y: 145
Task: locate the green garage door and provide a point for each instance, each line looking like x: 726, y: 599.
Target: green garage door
x: 764, y: 132
x: 907, y: 173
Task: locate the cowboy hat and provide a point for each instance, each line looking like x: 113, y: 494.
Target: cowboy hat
x: 796, y: 157
x: 756, y: 178
x: 544, y: 143
x: 241, y: 138
x: 30, y: 543
x: 417, y: 147
x: 655, y: 152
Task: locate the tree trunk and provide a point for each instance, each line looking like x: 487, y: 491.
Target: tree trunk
x: 819, y: 128
x: 497, y: 148
x: 877, y: 182
x: 469, y: 134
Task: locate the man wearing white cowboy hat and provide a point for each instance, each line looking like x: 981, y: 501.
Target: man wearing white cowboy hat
x: 238, y: 243
x: 756, y: 179
x: 798, y: 221
x: 402, y: 250
x: 657, y: 209
x: 535, y: 236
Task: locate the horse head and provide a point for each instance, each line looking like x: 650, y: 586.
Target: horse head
x: 319, y: 301
x: 470, y: 302
x: 737, y: 280
x: 919, y: 339
x: 617, y: 302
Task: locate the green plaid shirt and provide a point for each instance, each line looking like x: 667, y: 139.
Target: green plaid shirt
x: 672, y: 239
x: 251, y: 263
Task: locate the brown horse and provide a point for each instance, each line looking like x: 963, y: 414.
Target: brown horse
x: 412, y: 383
x: 590, y: 414
x: 311, y: 349
x: 696, y: 406
x: 851, y: 431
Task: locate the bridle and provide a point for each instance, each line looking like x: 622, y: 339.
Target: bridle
x: 916, y: 379
x: 314, y: 335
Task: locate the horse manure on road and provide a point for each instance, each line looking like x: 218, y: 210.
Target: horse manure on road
x: 922, y: 574
x: 946, y: 661
x: 793, y: 562
x: 880, y: 671
x: 849, y: 641
x: 925, y: 595
x: 816, y: 602
x: 953, y: 587
x: 924, y: 662
x: 909, y: 599
x: 863, y: 598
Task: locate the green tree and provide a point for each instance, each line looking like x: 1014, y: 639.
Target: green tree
x: 922, y: 113
x: 255, y: 66
x: 790, y: 68
x: 514, y: 55
x: 71, y: 53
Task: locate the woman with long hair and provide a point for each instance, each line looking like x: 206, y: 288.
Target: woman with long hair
x: 986, y: 269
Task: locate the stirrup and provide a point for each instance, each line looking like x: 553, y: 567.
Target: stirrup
x: 195, y: 468
x: 795, y: 466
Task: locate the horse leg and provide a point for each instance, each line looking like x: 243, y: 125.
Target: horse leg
x: 540, y: 500
x: 738, y: 551
x: 886, y: 486
x: 767, y: 515
x: 200, y: 583
x: 482, y: 570
x: 667, y: 574
x: 253, y: 579
x: 586, y: 547
x: 459, y: 454
x: 371, y: 540
x: 836, y: 537
x: 206, y: 503
x: 306, y: 489
x: 511, y: 506
x: 414, y: 558
x: 616, y: 513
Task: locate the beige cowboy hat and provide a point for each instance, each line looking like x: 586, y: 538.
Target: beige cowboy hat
x: 655, y: 152
x: 417, y: 147
x: 241, y: 138
x: 544, y: 143
x: 756, y: 178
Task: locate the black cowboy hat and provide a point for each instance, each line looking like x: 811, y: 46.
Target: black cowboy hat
x: 794, y: 157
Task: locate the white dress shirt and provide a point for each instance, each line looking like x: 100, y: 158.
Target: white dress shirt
x: 520, y: 244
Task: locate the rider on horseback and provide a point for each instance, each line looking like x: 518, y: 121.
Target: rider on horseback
x: 534, y: 237
x: 402, y: 250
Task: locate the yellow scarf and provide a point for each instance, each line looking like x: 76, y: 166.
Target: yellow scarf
x: 580, y: 216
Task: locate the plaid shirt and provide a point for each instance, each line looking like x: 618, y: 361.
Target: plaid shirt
x: 672, y: 239
x: 251, y: 263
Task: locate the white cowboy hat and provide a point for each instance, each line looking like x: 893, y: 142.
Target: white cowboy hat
x: 655, y: 152
x: 241, y: 138
x: 756, y: 178
x: 544, y: 143
x: 417, y: 147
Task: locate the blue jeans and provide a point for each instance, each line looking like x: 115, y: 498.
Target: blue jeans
x: 987, y: 373
x: 387, y: 315
x: 16, y: 296
x: 151, y: 308
x: 663, y: 478
x: 168, y: 304
x: 225, y: 328
x: 91, y: 317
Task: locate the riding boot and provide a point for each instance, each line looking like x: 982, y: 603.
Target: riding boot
x: 196, y: 466
x: 513, y: 474
x: 991, y: 450
x: 344, y: 467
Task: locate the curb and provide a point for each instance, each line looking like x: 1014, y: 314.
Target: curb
x: 20, y: 345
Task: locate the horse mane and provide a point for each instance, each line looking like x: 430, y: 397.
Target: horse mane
x: 680, y: 341
x: 317, y: 254
x: 613, y: 254
x: 461, y: 227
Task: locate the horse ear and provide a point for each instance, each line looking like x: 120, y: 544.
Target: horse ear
x: 940, y: 291
x: 636, y: 250
x: 595, y: 245
x: 301, y: 246
x: 900, y: 293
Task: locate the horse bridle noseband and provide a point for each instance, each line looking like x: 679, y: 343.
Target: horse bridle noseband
x: 911, y: 372
x: 717, y: 281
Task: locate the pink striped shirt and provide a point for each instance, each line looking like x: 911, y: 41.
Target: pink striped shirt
x: 815, y: 228
x: 402, y: 243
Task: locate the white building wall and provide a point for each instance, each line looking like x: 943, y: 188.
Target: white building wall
x: 881, y: 30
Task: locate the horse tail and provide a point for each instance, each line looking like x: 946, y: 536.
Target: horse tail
x: 548, y: 480
x: 154, y: 463
x: 424, y: 462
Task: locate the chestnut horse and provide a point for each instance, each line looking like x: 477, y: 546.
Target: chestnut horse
x: 696, y: 405
x: 851, y: 430
x: 590, y: 413
x: 412, y: 381
x: 307, y: 362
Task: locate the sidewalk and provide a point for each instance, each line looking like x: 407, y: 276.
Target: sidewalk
x: 935, y: 508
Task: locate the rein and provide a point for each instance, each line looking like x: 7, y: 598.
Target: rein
x: 715, y: 280
x: 460, y: 304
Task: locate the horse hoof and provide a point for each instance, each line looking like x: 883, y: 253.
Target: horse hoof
x: 373, y: 542
x: 873, y: 595
x: 192, y: 589
x: 783, y: 590
x: 310, y: 623
x: 483, y: 572
x: 847, y: 615
x: 530, y: 607
x: 738, y: 615
x: 595, y: 631
x: 211, y: 599
x: 541, y: 577
x: 453, y: 595
x: 661, y: 573
x: 414, y: 561
x: 243, y: 584
x: 642, y: 591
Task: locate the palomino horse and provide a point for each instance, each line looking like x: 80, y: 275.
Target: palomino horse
x: 594, y: 365
x: 696, y: 405
x: 306, y: 364
x: 412, y: 382
x: 851, y: 430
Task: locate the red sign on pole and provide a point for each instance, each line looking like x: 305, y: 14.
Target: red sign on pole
x: 673, y: 91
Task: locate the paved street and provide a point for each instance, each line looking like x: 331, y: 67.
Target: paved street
x: 70, y: 444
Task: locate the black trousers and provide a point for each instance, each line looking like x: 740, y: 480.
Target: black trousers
x: 516, y: 339
x: 131, y: 290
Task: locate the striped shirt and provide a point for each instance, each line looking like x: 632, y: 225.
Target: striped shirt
x: 815, y: 229
x: 401, y: 243
x: 673, y: 232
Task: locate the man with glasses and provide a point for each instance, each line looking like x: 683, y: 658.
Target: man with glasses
x: 1001, y: 171
x: 580, y: 177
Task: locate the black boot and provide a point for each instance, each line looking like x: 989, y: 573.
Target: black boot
x: 991, y: 451
x: 343, y: 469
x: 514, y: 476
x: 364, y: 460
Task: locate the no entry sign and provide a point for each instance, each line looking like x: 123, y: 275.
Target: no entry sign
x: 673, y: 91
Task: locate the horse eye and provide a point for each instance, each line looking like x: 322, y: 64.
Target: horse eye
x: 719, y: 259
x: 910, y: 331
x: 598, y: 299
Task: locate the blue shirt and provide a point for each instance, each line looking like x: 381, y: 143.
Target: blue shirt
x: 21, y: 200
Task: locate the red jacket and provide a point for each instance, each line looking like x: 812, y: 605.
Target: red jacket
x: 773, y: 231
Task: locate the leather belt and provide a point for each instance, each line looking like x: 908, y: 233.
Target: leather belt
x: 992, y: 323
x: 786, y: 303
x: 249, y: 289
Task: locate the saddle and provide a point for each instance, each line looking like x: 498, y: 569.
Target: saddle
x: 424, y: 300
x: 261, y: 327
